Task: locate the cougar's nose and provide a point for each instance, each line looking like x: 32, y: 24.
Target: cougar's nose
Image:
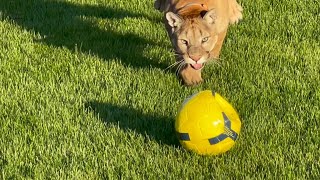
x: 195, y: 57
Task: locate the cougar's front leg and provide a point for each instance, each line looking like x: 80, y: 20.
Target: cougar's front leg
x: 215, y: 52
x: 190, y: 76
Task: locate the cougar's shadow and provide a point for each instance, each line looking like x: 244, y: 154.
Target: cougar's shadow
x: 64, y: 24
x: 158, y: 128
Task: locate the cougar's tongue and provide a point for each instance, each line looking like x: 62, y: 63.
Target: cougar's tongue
x: 196, y: 66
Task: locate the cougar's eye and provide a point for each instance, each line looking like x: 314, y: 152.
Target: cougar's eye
x: 183, y: 41
x: 205, y: 39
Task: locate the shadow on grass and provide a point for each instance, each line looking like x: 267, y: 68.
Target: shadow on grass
x: 63, y: 24
x: 160, y: 129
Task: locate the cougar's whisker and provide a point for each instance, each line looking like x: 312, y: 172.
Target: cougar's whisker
x: 173, y: 64
x: 179, y: 67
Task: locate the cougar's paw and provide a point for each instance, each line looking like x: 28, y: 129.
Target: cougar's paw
x: 235, y: 11
x: 190, y: 76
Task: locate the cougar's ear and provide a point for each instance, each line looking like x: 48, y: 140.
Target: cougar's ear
x: 210, y: 17
x: 174, y: 20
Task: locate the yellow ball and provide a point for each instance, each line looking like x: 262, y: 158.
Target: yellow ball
x: 207, y: 124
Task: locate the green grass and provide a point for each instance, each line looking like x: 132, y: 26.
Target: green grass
x: 84, y: 93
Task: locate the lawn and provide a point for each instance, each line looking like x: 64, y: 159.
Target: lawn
x: 85, y: 94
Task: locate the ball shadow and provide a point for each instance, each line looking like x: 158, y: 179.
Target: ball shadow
x: 158, y: 128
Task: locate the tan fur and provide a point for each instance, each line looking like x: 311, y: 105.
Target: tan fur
x: 197, y: 29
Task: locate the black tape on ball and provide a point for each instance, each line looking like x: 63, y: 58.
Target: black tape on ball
x: 183, y: 136
x: 228, y: 132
